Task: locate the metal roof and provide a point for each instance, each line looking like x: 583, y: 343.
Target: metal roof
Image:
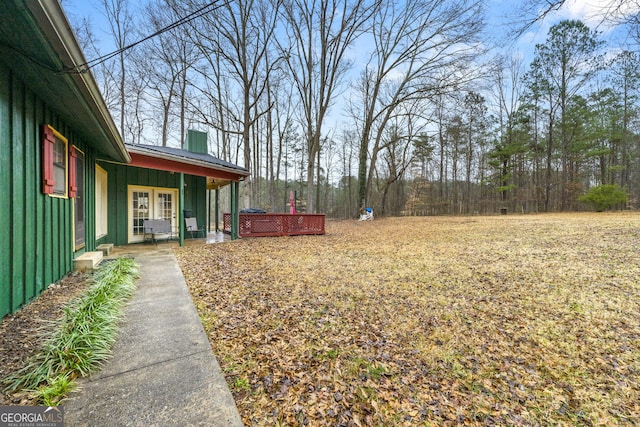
x: 207, y: 164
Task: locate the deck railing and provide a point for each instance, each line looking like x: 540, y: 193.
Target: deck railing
x: 276, y: 224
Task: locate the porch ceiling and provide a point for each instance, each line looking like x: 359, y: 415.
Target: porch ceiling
x: 216, y: 183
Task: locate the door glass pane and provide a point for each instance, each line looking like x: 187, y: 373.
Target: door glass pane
x: 165, y: 206
x: 140, y: 202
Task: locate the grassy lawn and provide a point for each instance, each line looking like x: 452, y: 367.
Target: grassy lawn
x: 507, y: 320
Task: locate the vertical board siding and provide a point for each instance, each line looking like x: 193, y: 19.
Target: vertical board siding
x: 18, y: 194
x: 195, y: 197
x: 47, y: 242
x: 90, y: 199
x: 197, y: 141
x: 30, y: 144
x: 200, y: 202
x: 36, y: 245
x: 56, y: 240
x: 5, y: 196
x: 39, y: 217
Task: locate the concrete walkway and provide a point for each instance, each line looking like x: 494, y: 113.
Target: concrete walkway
x: 162, y: 371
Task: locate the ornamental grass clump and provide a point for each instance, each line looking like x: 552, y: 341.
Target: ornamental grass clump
x: 82, y: 338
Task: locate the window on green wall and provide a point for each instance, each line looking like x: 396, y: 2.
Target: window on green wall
x: 55, y: 162
x: 60, y: 167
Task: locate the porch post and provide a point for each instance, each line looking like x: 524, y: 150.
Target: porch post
x: 181, y: 210
x: 235, y: 222
x: 217, y: 215
x: 209, y: 212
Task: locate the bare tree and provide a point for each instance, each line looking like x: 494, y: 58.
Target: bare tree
x: 349, y: 143
x: 138, y: 102
x: 168, y: 58
x: 610, y: 12
x: 396, y: 156
x: 626, y: 79
x: 121, y: 25
x: 476, y: 123
x: 419, y: 47
x: 284, y: 107
x: 217, y: 107
x: 321, y: 32
x: 508, y: 93
x: 235, y: 40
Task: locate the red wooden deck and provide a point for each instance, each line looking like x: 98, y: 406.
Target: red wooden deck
x: 276, y: 224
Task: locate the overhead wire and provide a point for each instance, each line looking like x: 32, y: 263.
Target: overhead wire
x: 83, y: 68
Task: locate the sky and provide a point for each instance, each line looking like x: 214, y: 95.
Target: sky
x: 589, y: 12
x: 501, y: 15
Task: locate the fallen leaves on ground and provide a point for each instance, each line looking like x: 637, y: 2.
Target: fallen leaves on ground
x: 506, y: 320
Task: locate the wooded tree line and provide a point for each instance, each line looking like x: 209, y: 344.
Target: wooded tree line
x: 390, y: 104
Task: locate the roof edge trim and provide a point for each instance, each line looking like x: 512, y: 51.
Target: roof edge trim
x: 54, y: 23
x: 166, y: 156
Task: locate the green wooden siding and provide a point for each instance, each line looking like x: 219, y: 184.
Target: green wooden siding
x: 195, y: 197
x: 120, y: 177
x: 30, y: 139
x: 21, y: 168
x: 36, y: 230
x: 197, y: 141
x: 5, y: 178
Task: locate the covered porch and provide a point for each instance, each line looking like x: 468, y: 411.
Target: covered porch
x: 198, y: 178
x: 211, y: 238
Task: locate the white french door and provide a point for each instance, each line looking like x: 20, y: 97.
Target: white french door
x: 150, y: 203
